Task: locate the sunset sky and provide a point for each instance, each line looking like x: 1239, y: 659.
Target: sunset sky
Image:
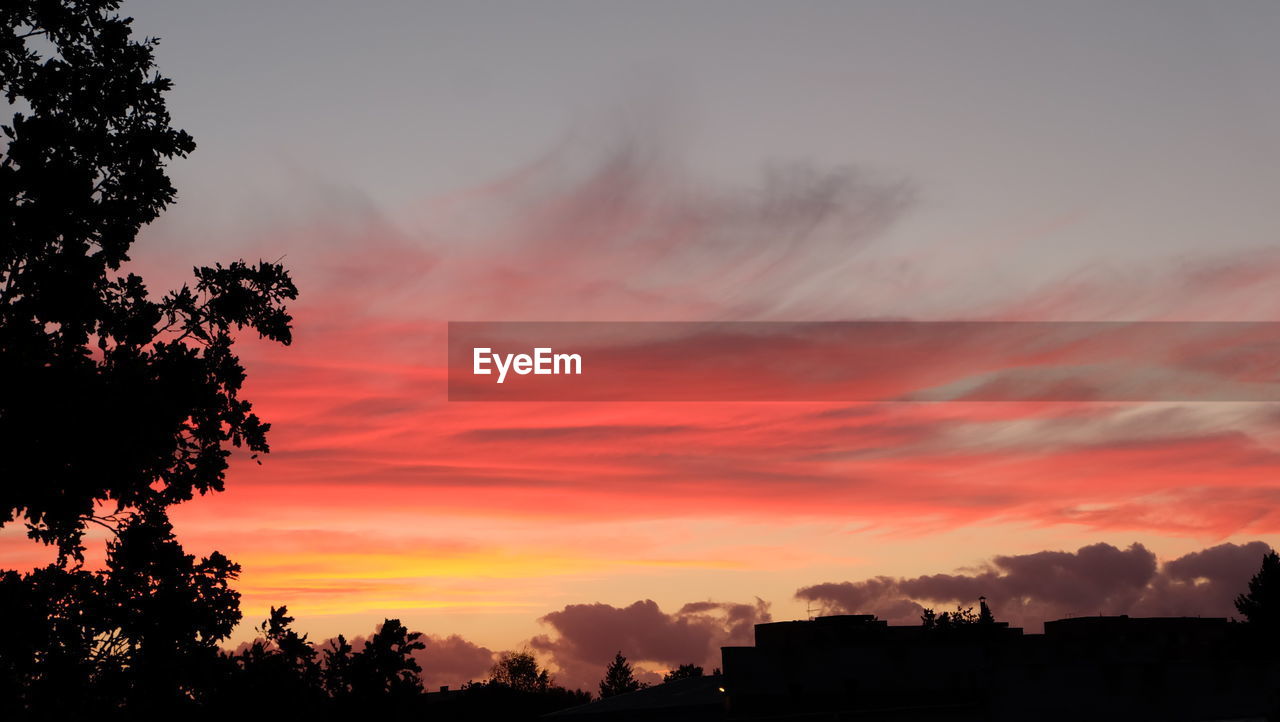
x: 419, y: 163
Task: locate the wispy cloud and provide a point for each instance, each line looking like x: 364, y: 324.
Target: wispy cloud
x: 364, y: 441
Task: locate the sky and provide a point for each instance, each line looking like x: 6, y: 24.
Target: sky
x: 418, y: 163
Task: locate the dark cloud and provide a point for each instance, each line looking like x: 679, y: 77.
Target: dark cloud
x: 1027, y: 589
x: 588, y: 635
x: 1204, y: 582
x: 452, y: 661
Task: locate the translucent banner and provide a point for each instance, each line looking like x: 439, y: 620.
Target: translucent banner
x: 864, y: 361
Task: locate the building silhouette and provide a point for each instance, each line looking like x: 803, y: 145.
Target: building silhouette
x: 857, y: 667
x: 1086, y: 668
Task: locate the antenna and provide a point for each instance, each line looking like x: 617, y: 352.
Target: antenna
x: 808, y: 609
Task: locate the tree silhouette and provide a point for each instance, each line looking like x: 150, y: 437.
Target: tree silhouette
x: 279, y: 672
x: 520, y: 671
x: 283, y: 673
x: 294, y: 652
x: 517, y: 688
x: 166, y: 609
x: 146, y: 627
x: 1261, y: 605
x: 385, y: 667
x: 116, y: 405
x: 107, y: 396
x: 54, y: 643
x: 113, y: 405
x: 684, y: 671
x: 338, y: 668
x: 619, y: 678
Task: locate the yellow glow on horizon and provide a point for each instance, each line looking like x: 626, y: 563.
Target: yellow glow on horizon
x: 377, y: 605
x: 280, y: 567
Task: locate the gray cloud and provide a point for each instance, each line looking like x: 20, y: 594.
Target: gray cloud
x: 587, y: 635
x: 1027, y: 589
x: 452, y: 660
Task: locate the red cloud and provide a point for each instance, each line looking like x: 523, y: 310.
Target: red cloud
x: 362, y: 430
